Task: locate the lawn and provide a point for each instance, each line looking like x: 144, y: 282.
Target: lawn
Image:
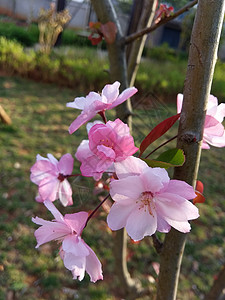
x: 40, y: 125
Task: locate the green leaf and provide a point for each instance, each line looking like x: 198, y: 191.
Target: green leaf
x: 170, y: 158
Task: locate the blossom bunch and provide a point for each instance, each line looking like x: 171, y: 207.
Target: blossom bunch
x: 145, y: 199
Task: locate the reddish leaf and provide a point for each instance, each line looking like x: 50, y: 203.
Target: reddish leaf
x: 199, y: 192
x: 95, y: 40
x: 199, y: 198
x: 109, y: 31
x: 157, y: 132
x: 199, y: 186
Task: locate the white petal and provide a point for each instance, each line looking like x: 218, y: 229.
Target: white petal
x: 118, y: 215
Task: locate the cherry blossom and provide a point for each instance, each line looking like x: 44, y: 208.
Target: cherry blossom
x: 108, y: 143
x: 147, y: 200
x: 75, y: 253
x: 213, y: 133
x: 94, y: 103
x: 50, y: 176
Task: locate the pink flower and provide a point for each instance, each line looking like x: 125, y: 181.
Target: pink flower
x: 95, y: 103
x: 213, y: 133
x: 108, y: 143
x: 76, y: 254
x: 147, y: 200
x: 50, y: 176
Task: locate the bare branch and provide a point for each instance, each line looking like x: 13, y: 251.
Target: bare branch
x: 218, y: 286
x: 139, y: 34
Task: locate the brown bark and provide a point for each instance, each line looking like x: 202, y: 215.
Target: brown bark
x: 136, y: 48
x: 118, y: 71
x: 217, y: 287
x: 201, y: 63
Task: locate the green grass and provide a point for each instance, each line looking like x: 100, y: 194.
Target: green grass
x: 40, y: 125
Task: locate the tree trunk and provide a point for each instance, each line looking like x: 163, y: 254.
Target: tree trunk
x: 61, y: 4
x: 136, y: 48
x: 201, y: 63
x: 118, y: 71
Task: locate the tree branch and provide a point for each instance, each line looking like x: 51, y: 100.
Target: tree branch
x: 201, y: 63
x: 139, y: 34
x: 218, y: 286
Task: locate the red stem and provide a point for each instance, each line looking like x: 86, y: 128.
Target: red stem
x: 161, y: 145
x: 94, y: 211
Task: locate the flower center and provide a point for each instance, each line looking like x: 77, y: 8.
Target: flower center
x: 107, y: 143
x: 146, y: 202
x: 61, y: 177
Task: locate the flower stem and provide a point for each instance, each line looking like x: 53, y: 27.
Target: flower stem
x: 102, y: 114
x: 94, y: 211
x: 173, y: 138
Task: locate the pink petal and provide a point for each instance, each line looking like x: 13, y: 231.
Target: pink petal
x: 111, y: 91
x: 126, y: 94
x: 179, y: 102
x: 76, y: 264
x: 65, y: 165
x: 118, y: 215
x: 176, y: 208
x: 218, y: 141
x: 140, y: 224
x: 180, y: 188
x: 119, y: 127
x: 126, y: 190
x: 73, y: 244
x: 83, y: 151
x: 107, y: 152
x: 52, y: 159
x: 129, y: 166
x: 76, y: 221
x: 180, y: 226
x: 78, y: 103
x: 162, y: 225
x: 93, y: 266
x: 65, y: 193
x: 41, y: 169
x: 48, y: 188
x: 213, y: 127
x: 54, y: 211
x: 80, y: 120
x: 49, y: 231
x: 151, y: 181
x: 220, y: 113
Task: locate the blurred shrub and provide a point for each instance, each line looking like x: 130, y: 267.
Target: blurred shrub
x: 165, y: 53
x: 27, y: 36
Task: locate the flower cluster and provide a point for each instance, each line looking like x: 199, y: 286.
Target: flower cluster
x: 146, y: 200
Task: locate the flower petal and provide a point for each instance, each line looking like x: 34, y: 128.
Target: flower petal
x: 65, y: 164
x: 76, y: 221
x: 80, y: 120
x: 76, y: 264
x: 126, y: 94
x: 73, y: 244
x: 48, y: 188
x: 111, y: 91
x: 180, y: 188
x: 65, y: 193
x: 141, y: 223
x: 126, y: 190
x: 93, y: 266
x: 130, y: 166
x: 118, y: 216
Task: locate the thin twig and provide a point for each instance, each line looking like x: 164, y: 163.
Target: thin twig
x: 94, y: 211
x: 134, y: 36
x: 166, y: 142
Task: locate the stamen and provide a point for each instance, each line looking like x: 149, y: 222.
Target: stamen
x: 146, y: 202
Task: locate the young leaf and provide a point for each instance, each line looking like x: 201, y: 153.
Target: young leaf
x: 171, y: 158
x: 109, y: 31
x: 157, y: 132
x: 175, y: 157
x: 199, y: 192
